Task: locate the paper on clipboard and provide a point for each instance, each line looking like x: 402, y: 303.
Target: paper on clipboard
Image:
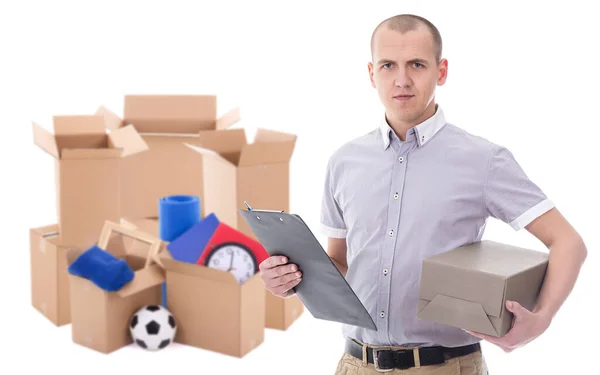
x: 323, y: 289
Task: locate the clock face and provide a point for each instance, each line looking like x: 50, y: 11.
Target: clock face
x: 235, y: 258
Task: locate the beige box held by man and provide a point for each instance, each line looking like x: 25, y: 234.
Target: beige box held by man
x: 99, y: 318
x: 49, y: 281
x: 165, y: 122
x: 468, y: 287
x: 88, y: 169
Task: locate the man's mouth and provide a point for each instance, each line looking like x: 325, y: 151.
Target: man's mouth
x: 403, y: 97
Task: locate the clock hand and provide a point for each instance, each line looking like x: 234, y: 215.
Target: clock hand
x: 231, y: 263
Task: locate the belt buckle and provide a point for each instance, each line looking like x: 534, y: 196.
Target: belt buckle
x: 376, y: 360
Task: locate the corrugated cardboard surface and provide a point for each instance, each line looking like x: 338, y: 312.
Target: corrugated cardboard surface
x: 282, y: 312
x: 49, y: 277
x: 213, y: 310
x: 87, y: 173
x: 468, y: 286
x: 88, y: 194
x: 168, y: 168
x: 100, y: 319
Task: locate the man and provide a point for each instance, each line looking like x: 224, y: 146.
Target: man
x: 416, y: 186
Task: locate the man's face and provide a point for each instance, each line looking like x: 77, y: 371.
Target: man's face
x: 405, y: 73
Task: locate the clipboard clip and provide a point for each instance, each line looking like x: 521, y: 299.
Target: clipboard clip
x: 252, y: 209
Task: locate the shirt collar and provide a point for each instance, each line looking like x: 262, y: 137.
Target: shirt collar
x: 423, y: 131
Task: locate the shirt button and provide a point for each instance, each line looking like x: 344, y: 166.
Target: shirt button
x: 385, y: 271
x: 382, y: 314
x: 401, y: 159
x: 396, y: 196
x: 391, y: 233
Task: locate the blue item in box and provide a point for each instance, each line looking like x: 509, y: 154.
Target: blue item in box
x: 189, y: 246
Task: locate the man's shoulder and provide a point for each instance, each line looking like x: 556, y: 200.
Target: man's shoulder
x: 357, y: 145
x: 466, y: 140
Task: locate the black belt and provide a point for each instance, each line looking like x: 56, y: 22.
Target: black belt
x: 388, y: 359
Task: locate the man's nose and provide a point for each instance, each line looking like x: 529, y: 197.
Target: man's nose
x: 402, y: 78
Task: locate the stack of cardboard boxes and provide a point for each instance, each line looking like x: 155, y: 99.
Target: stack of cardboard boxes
x: 116, y: 168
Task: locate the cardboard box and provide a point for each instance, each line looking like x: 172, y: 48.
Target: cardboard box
x: 214, y: 311
x: 281, y: 313
x: 232, y: 323
x: 236, y: 171
x: 468, y: 287
x: 100, y: 319
x: 166, y: 122
x: 88, y: 163
x: 49, y: 281
x: 259, y: 173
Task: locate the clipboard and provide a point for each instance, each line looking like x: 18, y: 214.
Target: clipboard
x: 323, y: 289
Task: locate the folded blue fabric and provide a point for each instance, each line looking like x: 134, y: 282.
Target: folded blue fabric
x: 102, y: 268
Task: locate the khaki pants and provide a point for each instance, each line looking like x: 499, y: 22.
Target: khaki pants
x: 470, y: 364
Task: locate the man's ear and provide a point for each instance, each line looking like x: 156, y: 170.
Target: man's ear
x: 371, y: 72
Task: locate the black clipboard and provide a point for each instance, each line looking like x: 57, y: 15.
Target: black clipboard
x: 323, y: 289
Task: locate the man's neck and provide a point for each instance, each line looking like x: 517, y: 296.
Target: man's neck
x: 401, y: 128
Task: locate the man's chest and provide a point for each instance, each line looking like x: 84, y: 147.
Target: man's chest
x: 413, y: 193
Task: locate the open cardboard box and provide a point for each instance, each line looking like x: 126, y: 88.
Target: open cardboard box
x: 280, y: 313
x: 49, y: 281
x: 468, y: 287
x: 236, y: 171
x: 100, y: 319
x: 213, y: 310
x: 88, y: 170
x: 165, y: 122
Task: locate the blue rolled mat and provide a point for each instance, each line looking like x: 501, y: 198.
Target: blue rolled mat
x: 177, y: 214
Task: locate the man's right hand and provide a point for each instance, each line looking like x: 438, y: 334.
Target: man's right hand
x: 278, y: 276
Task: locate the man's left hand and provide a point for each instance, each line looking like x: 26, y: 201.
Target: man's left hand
x: 526, y: 327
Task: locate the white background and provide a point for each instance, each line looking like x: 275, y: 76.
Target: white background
x: 522, y: 74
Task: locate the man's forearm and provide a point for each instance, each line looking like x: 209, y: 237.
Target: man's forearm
x: 343, y: 269
x: 566, y: 259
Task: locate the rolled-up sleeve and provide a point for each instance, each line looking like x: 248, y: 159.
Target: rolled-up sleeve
x: 509, y: 194
x: 332, y: 219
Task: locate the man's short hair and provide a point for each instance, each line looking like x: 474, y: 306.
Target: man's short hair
x: 409, y: 22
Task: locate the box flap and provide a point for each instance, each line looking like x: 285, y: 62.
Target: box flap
x: 266, y: 153
x: 171, y: 113
x: 143, y: 279
x: 128, y: 140
x: 209, y: 153
x: 80, y: 132
x: 111, y: 120
x: 457, y: 313
x: 195, y: 270
x: 228, y: 119
x: 45, y: 140
x: 90, y: 153
x: 222, y: 141
x: 265, y: 135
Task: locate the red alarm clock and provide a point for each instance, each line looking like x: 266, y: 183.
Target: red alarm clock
x: 232, y: 251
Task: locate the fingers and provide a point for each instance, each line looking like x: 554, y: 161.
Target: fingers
x: 284, y: 290
x: 271, y: 262
x: 279, y: 276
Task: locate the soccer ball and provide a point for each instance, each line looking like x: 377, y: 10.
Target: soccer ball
x: 153, y: 327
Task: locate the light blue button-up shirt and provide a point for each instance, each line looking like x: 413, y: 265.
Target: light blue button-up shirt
x: 397, y: 203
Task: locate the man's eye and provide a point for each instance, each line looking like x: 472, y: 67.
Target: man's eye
x: 418, y: 65
x: 387, y: 65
